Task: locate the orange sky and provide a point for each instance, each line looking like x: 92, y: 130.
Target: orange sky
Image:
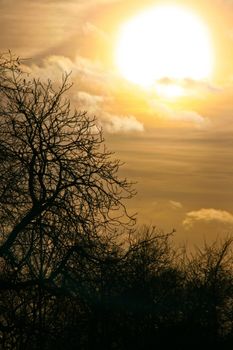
x: 179, y: 151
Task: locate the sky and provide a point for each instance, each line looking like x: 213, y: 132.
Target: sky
x: 178, y: 150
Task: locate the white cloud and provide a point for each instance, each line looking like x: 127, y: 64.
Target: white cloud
x: 207, y: 215
x: 86, y: 74
x: 164, y: 112
x: 191, y: 86
x: 199, y: 86
x: 175, y: 205
x: 189, y: 116
x: 91, y: 29
x: 87, y: 100
x: 116, y: 124
x: 111, y: 123
x: 82, y: 69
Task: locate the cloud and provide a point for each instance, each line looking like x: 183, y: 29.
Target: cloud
x: 175, y: 205
x: 207, y: 215
x: 188, y: 116
x: 85, y: 72
x: 200, y: 86
x: 89, y: 101
x: 191, y: 86
x: 95, y: 95
x: 91, y: 29
x: 111, y: 123
x: 97, y: 87
x: 81, y: 67
x: 116, y: 124
x: 30, y: 28
x: 165, y: 112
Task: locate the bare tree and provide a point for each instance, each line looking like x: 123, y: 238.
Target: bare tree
x: 59, y: 186
x: 209, y: 284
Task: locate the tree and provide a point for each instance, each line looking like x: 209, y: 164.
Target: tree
x: 65, y: 274
x: 59, y: 187
x: 61, y: 200
x: 210, y: 290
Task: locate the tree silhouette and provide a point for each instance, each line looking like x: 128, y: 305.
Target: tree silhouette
x: 60, y: 193
x: 73, y: 271
x: 59, y: 186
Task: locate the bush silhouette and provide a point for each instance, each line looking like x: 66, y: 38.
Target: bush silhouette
x: 74, y: 272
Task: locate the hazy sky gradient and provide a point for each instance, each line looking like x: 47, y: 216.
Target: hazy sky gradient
x: 180, y: 152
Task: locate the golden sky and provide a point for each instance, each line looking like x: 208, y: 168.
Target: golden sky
x: 179, y: 149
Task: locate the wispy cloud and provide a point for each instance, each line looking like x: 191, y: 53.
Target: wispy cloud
x: 31, y: 28
x: 95, y: 94
x: 175, y: 204
x: 117, y: 124
x: 85, y: 70
x: 163, y: 111
x: 189, y: 116
x: 207, y: 215
x: 111, y: 123
x: 191, y: 86
x: 91, y: 29
x: 86, y: 100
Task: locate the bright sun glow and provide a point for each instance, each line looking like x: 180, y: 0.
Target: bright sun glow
x: 164, y: 42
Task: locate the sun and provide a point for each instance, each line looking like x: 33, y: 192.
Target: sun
x: 164, y: 42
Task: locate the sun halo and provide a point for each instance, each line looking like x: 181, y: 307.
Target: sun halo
x: 168, y: 42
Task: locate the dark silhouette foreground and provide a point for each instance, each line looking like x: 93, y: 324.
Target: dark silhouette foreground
x: 74, y: 273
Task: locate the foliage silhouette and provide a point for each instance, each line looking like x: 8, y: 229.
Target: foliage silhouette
x: 74, y: 272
